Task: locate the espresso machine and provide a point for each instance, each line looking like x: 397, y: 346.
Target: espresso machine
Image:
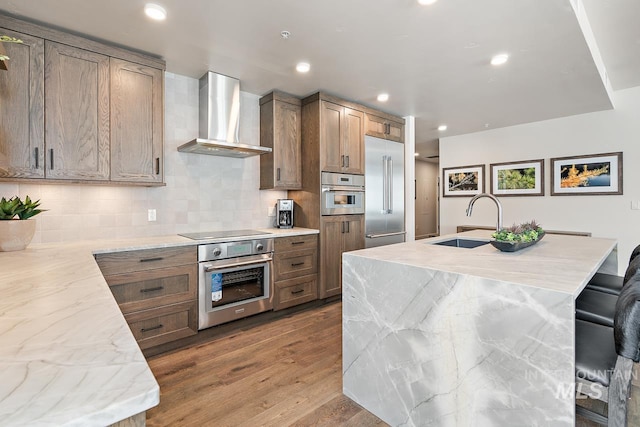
x: 284, y: 213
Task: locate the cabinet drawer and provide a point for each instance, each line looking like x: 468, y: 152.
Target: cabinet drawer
x: 295, y: 291
x: 163, y: 324
x: 147, y: 289
x: 146, y: 259
x: 284, y: 244
x: 295, y: 264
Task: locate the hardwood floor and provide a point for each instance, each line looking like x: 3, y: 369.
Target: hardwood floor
x: 284, y: 373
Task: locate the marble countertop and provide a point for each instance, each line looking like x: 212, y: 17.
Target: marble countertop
x: 67, y: 355
x: 560, y: 263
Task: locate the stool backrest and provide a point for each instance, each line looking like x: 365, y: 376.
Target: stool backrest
x: 632, y: 270
x: 626, y: 322
x: 634, y: 253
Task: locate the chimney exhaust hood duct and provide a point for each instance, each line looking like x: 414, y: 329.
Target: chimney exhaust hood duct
x: 219, y: 120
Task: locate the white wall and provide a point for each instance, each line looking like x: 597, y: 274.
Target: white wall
x: 409, y: 177
x: 202, y: 192
x: 601, y: 132
x: 426, y: 198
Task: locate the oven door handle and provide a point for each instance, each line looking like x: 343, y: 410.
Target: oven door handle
x: 208, y: 269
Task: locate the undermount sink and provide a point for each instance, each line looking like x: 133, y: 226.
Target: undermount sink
x: 462, y: 243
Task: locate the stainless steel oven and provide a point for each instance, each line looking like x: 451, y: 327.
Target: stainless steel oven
x: 342, y: 194
x: 234, y: 280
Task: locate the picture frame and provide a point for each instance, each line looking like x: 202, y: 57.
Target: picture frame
x: 522, y: 178
x: 587, y: 175
x: 462, y: 181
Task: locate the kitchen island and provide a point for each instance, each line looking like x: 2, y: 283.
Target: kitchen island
x: 67, y: 355
x: 446, y: 336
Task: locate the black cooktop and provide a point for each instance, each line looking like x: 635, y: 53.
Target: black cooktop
x: 221, y: 234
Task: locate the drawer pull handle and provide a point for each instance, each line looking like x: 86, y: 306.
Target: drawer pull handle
x: 151, y: 328
x: 299, y: 291
x: 152, y: 259
x: 297, y: 264
x: 297, y: 243
x: 157, y: 288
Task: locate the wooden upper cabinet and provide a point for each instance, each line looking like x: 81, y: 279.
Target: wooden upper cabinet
x: 22, y: 108
x: 281, y: 130
x: 384, y: 128
x: 342, y: 139
x: 77, y: 119
x: 136, y: 122
x: 353, y: 143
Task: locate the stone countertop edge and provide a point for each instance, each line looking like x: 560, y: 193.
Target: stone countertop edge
x: 67, y: 355
x: 570, y: 261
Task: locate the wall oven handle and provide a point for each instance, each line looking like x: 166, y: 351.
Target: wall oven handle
x: 235, y: 264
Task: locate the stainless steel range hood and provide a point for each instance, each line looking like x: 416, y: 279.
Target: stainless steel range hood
x: 219, y: 120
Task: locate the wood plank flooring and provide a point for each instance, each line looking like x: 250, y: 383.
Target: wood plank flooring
x: 284, y: 373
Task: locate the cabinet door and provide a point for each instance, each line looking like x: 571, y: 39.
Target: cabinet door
x: 22, y: 108
x: 331, y: 137
x: 136, y: 122
x: 331, y: 236
x: 354, y: 234
x: 287, y: 146
x: 395, y: 132
x: 382, y: 128
x: 375, y: 126
x: 77, y: 119
x: 353, y: 141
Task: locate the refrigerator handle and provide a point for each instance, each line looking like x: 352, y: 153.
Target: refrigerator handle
x: 390, y: 185
x: 384, y: 184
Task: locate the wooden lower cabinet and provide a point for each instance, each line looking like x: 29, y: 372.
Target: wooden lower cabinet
x: 288, y: 293
x: 338, y: 234
x: 157, y: 291
x: 163, y: 324
x: 295, y: 271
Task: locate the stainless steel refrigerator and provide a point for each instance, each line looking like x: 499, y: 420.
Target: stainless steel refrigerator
x: 384, y: 192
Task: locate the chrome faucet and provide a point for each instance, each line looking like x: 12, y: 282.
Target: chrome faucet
x: 492, y: 197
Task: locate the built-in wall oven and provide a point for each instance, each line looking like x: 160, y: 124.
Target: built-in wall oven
x: 342, y: 194
x: 234, y: 280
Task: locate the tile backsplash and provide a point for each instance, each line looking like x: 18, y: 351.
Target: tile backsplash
x: 203, y: 193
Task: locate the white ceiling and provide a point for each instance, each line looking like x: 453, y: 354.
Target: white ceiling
x: 432, y: 60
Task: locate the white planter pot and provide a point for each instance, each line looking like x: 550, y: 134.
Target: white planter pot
x: 16, y: 234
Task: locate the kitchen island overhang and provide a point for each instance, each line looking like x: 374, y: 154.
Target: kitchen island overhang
x: 437, y: 335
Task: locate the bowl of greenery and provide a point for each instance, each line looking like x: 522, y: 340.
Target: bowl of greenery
x: 517, y: 237
x: 16, y: 224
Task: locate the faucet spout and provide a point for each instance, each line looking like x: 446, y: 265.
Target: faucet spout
x: 496, y: 201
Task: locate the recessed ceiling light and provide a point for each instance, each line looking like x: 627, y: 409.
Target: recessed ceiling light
x: 499, y: 59
x: 285, y: 34
x: 154, y: 11
x: 383, y: 97
x: 416, y: 154
x: 426, y: 2
x: 303, y: 67
x: 442, y: 128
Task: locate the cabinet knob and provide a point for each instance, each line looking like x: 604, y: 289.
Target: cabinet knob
x: 259, y: 247
x: 217, y: 252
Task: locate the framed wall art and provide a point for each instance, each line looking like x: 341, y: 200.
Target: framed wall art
x: 463, y: 181
x: 594, y: 174
x: 525, y: 178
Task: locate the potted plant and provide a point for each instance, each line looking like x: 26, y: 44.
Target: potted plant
x: 16, y: 224
x: 517, y: 237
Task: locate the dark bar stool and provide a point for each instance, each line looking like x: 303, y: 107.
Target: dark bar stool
x: 605, y: 357
x: 595, y: 306
x: 609, y: 283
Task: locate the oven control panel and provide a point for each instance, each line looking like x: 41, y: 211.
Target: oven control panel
x: 214, y: 251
